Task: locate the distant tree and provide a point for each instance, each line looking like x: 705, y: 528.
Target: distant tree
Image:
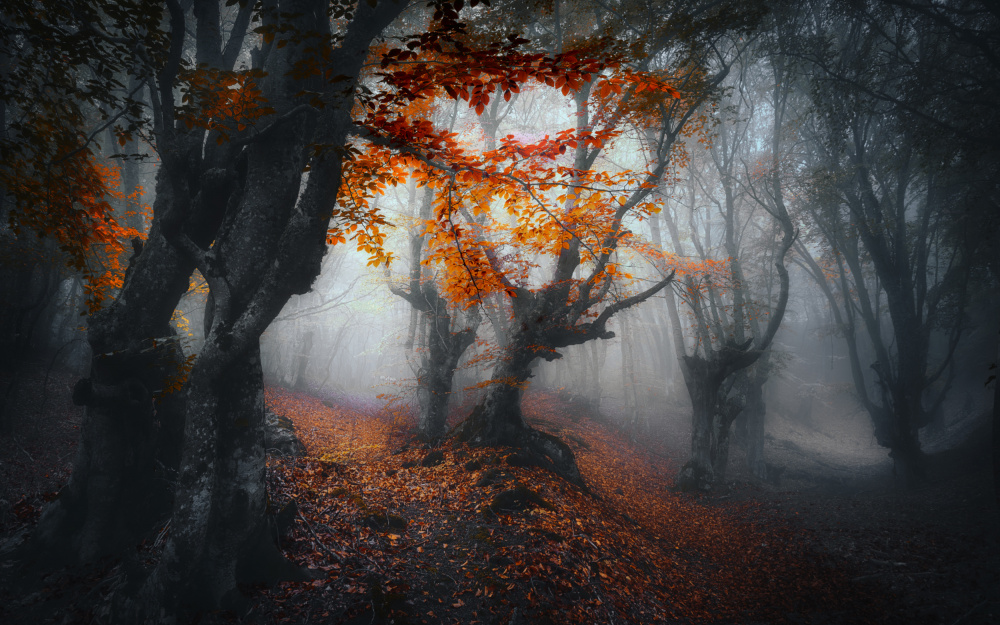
x: 562, y: 294
x: 447, y: 333
x: 737, y: 306
x: 727, y: 335
x: 900, y: 217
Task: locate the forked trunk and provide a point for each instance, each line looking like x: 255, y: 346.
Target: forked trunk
x: 444, y: 351
x: 712, y: 417
x: 433, y: 395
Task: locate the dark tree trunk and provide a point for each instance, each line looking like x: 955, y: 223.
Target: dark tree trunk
x: 268, y: 247
x: 698, y: 473
x: 437, y: 373
x: 542, y: 323
x: 219, y: 533
x: 497, y: 420
x: 996, y: 430
x: 712, y: 414
x: 443, y: 347
x: 538, y: 330
x: 752, y: 418
x: 130, y: 440
x: 749, y: 426
x: 232, y: 217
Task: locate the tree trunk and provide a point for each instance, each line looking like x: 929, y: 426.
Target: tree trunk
x: 497, y: 420
x: 130, y: 439
x: 712, y: 412
x: 598, y: 353
x: 302, y: 362
x: 750, y: 424
x: 698, y: 473
x: 437, y: 373
x: 754, y: 412
x: 906, y: 453
x: 219, y: 535
x: 996, y: 430
x: 269, y: 246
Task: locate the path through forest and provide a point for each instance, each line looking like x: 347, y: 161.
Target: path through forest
x: 400, y: 533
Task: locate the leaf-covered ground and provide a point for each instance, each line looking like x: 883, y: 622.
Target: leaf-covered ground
x: 400, y: 533
x: 404, y: 542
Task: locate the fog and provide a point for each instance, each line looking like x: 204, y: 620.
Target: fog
x: 352, y: 339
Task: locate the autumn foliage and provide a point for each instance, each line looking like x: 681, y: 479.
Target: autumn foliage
x: 497, y: 209
x: 63, y: 96
x: 73, y: 201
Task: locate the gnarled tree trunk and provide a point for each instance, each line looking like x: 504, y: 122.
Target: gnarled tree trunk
x: 131, y: 435
x: 268, y: 247
x: 443, y: 345
x: 543, y: 323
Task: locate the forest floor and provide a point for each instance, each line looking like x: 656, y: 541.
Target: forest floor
x: 398, y: 532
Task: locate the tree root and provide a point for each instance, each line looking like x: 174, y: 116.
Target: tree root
x: 540, y: 448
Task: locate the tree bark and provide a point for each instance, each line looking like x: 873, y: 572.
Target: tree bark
x: 130, y: 441
x: 444, y: 350
x: 712, y: 412
x: 268, y: 247
x: 543, y: 323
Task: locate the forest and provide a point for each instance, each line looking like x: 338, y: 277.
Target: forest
x: 511, y: 312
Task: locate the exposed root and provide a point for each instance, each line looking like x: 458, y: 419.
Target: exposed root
x: 542, y: 449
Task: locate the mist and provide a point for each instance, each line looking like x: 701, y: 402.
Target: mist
x: 566, y: 312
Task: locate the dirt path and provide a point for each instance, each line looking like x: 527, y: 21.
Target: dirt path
x: 395, y: 534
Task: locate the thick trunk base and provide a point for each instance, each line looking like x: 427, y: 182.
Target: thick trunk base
x: 221, y: 536
x: 694, y: 477
x: 121, y: 487
x: 910, y: 463
x: 484, y: 428
x: 434, y: 393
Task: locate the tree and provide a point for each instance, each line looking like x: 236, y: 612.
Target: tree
x: 230, y: 209
x: 57, y: 192
x: 579, y: 230
x: 560, y: 296
x: 444, y: 342
x: 896, y: 255
x: 727, y: 343
x: 728, y: 363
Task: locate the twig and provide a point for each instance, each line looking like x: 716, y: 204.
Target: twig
x: 18, y: 443
x: 411, y: 545
x: 348, y: 545
x: 319, y: 542
x: 969, y: 613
